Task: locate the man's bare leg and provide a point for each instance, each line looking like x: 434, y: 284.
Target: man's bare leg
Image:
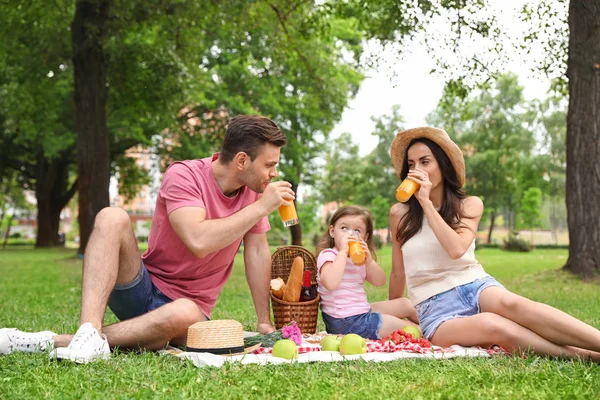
x: 111, y: 257
x: 151, y: 331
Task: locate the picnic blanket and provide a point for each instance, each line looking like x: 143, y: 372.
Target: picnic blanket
x: 311, y: 352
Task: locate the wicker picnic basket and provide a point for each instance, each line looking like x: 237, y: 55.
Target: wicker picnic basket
x: 304, y: 313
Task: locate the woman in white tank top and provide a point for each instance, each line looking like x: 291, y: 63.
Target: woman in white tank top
x: 433, y: 255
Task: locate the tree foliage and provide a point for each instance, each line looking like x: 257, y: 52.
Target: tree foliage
x: 173, y: 70
x: 492, y: 128
x: 37, y: 139
x: 370, y: 180
x: 531, y: 208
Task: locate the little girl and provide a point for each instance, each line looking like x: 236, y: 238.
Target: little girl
x: 344, y: 304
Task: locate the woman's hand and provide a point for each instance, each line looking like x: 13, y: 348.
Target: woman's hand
x: 420, y: 176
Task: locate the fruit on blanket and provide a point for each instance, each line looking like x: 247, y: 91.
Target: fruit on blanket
x: 353, y: 344
x: 330, y: 343
x: 400, y: 336
x: 278, y: 287
x: 285, y: 348
x: 413, y: 330
x: 293, y: 286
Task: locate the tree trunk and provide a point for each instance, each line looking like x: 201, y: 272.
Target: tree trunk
x: 554, y: 221
x: 492, y: 221
x: 52, y: 193
x: 48, y: 223
x: 583, y: 138
x: 93, y: 161
x: 7, y: 232
x: 296, y: 230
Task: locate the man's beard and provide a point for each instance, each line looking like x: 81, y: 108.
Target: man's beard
x: 252, y: 181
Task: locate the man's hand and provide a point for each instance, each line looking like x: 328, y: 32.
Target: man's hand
x: 264, y: 328
x: 277, y: 194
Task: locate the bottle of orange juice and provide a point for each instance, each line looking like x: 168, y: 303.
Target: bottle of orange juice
x: 355, y: 251
x: 288, y: 215
x: 406, y: 189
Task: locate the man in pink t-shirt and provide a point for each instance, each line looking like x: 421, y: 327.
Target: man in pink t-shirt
x: 205, y: 208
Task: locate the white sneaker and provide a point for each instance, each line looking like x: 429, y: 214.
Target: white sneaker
x: 87, y: 345
x: 13, y: 340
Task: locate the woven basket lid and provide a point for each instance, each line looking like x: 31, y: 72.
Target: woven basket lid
x: 224, y: 337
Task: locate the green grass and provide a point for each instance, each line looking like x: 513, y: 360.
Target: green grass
x: 40, y: 289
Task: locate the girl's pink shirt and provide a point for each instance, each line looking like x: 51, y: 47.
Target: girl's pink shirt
x: 350, y: 297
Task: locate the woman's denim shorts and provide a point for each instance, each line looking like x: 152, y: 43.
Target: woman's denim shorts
x: 366, y: 325
x: 461, y: 301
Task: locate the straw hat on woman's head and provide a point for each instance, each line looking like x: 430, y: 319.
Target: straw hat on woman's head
x: 439, y: 136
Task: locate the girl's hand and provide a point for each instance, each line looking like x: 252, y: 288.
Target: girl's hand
x: 421, y: 177
x: 343, y: 247
x: 365, y: 247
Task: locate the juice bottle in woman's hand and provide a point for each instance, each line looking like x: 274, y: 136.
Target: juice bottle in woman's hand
x: 406, y: 189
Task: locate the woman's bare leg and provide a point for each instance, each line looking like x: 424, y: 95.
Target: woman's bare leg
x: 548, y: 322
x: 389, y: 324
x: 399, y: 308
x: 488, y: 329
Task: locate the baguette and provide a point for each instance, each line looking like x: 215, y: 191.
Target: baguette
x: 293, y: 286
x: 277, y: 287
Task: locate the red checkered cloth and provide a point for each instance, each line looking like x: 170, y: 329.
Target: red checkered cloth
x: 497, y: 350
x: 372, y: 347
x: 303, y: 348
x: 387, y: 347
x: 391, y: 347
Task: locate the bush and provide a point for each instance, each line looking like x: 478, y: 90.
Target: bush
x: 514, y: 243
x: 377, y: 241
x: 21, y: 242
x: 15, y: 235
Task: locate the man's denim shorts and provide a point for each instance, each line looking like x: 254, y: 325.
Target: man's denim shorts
x: 137, y: 297
x: 366, y: 325
x: 461, y: 301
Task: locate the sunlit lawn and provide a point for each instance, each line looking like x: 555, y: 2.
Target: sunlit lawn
x: 40, y: 289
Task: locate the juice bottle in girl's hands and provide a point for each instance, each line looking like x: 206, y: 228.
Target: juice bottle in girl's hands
x: 406, y: 189
x: 355, y: 251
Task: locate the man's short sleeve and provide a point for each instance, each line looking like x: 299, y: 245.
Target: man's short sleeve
x: 261, y: 226
x: 180, y: 188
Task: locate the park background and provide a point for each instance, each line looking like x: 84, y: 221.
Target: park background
x: 98, y: 97
x: 511, y: 125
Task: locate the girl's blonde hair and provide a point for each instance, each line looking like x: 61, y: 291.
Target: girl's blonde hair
x: 327, y: 242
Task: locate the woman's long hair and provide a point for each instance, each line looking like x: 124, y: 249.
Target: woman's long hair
x: 451, y: 210
x: 327, y: 241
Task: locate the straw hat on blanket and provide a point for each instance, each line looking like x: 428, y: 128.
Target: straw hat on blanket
x: 222, y: 337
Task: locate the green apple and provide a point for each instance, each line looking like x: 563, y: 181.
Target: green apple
x: 353, y: 344
x: 285, y: 348
x: 330, y: 343
x: 413, y: 330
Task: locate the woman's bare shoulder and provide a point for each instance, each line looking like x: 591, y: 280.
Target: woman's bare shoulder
x: 472, y: 206
x: 397, y: 210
